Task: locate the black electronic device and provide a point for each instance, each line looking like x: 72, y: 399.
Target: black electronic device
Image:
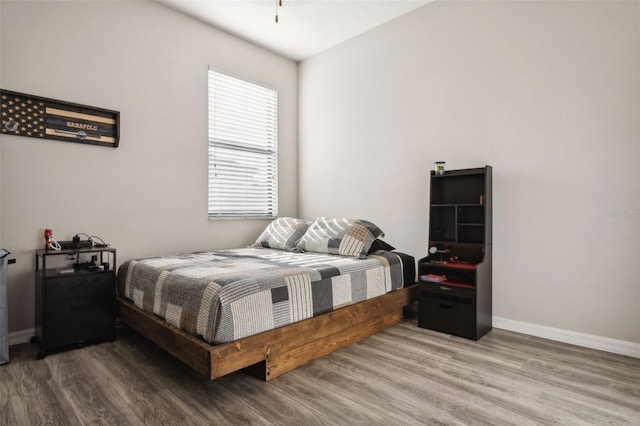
x: 87, y: 266
x: 74, y: 245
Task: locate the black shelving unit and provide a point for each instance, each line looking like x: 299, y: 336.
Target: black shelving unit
x: 455, y: 288
x: 75, y: 305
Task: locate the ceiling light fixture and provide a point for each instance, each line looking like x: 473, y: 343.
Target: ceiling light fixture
x: 278, y: 3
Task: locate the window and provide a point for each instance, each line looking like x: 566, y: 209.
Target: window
x: 243, y: 145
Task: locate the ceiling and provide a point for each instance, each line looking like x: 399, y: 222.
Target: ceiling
x: 305, y: 27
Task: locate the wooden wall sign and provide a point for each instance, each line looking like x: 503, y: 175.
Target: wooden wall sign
x: 37, y: 117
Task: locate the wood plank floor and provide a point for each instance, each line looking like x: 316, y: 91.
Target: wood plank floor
x: 402, y: 376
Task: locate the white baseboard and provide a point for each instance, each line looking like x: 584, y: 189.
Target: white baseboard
x: 621, y: 347
x: 22, y: 336
x: 606, y: 344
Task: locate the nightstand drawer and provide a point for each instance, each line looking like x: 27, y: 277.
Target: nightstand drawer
x: 427, y: 288
x: 78, y: 319
x: 95, y: 285
x: 448, y: 314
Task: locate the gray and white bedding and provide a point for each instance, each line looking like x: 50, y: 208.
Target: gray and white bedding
x: 226, y: 295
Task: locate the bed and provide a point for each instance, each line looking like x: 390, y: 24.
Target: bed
x: 274, y: 306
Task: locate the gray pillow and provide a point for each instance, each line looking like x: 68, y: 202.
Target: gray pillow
x: 283, y: 233
x: 345, y: 237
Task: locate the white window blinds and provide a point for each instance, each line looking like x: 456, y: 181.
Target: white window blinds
x: 243, y: 145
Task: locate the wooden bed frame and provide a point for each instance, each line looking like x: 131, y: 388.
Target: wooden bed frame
x: 277, y: 351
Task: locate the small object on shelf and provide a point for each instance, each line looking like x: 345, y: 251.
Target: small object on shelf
x: 434, y: 250
x: 48, y: 233
x: 438, y: 167
x: 434, y: 278
x: 50, y: 243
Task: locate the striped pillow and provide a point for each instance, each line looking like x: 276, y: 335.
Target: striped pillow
x: 345, y: 237
x: 283, y: 233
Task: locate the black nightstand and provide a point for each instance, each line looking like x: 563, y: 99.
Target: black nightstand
x: 459, y: 305
x: 75, y: 305
x: 455, y: 279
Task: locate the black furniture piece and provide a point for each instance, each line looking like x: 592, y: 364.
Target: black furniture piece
x: 455, y: 278
x: 75, y: 304
x: 4, y: 308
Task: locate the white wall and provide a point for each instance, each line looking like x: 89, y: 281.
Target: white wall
x: 148, y: 196
x: 548, y: 93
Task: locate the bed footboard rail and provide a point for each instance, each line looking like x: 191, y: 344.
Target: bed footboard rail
x: 274, y: 352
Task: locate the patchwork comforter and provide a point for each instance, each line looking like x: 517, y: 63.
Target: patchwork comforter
x: 226, y: 295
